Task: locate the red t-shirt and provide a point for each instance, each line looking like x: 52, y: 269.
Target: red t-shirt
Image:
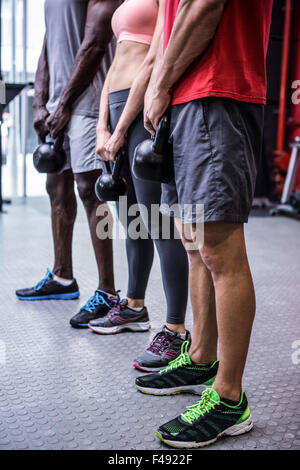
x: 233, y: 65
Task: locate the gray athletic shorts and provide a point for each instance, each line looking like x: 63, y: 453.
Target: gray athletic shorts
x: 80, y: 145
x: 217, y: 148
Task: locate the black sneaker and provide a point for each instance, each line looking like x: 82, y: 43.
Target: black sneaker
x: 97, y: 306
x: 48, y: 289
x: 119, y: 318
x: 206, y: 421
x: 165, y: 347
x: 181, y: 375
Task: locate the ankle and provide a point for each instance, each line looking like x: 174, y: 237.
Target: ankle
x: 177, y: 328
x: 63, y: 274
x: 108, y: 289
x: 202, y: 357
x: 63, y: 279
x: 228, y: 391
x: 135, y: 303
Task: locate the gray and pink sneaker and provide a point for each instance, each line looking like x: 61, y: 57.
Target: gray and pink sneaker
x: 119, y: 318
x: 165, y: 347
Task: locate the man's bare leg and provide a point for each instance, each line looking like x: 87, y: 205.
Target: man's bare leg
x: 224, y: 254
x: 203, y: 349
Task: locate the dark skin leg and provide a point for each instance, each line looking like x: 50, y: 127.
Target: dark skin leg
x: 102, y: 248
x: 63, y: 213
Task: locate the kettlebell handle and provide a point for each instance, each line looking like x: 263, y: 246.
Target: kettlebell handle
x: 162, y: 135
x: 58, y: 141
x: 107, y: 167
x: 116, y: 168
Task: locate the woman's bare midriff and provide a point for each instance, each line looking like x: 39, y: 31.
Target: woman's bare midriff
x: 128, y: 59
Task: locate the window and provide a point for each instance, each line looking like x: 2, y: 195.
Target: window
x: 22, y: 33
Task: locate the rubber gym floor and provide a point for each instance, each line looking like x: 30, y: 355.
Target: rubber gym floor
x: 62, y: 388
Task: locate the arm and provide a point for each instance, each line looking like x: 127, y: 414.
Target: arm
x: 135, y: 102
x: 41, y: 94
x: 152, y: 84
x: 194, y: 27
x: 97, y: 35
x: 103, y: 134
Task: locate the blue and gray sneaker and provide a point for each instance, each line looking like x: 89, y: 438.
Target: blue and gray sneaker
x: 48, y: 289
x: 96, y: 307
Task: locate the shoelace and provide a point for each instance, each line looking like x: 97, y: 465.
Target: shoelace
x: 181, y: 360
x: 41, y: 283
x: 97, y: 299
x: 203, y: 406
x: 120, y: 305
x: 159, y: 342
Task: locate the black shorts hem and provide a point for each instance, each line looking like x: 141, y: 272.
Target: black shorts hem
x: 215, y: 217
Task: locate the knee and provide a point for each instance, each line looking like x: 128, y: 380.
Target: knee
x: 213, y: 260
x: 86, y: 191
x: 52, y: 191
x: 58, y: 192
x: 62, y: 199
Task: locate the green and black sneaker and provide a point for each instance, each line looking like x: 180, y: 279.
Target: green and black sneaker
x: 206, y: 421
x: 181, y: 375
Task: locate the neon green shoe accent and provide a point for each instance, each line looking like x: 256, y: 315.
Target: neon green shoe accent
x: 245, y: 415
x: 210, y: 381
x: 162, y: 440
x: 235, y: 406
x: 209, y: 399
x: 182, y: 360
x: 143, y: 391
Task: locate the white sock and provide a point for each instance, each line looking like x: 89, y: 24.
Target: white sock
x: 182, y: 335
x: 60, y: 281
x: 136, y: 309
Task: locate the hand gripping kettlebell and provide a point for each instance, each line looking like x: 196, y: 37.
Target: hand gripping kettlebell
x: 49, y: 156
x: 109, y: 186
x: 153, y: 158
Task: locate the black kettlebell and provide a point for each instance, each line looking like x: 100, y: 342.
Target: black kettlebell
x: 109, y: 186
x: 50, y: 157
x: 153, y: 158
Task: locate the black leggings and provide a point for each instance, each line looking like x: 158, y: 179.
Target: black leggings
x: 140, y: 252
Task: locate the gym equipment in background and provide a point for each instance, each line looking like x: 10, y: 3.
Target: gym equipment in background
x: 153, y: 158
x: 109, y: 186
x: 290, y: 202
x: 49, y: 156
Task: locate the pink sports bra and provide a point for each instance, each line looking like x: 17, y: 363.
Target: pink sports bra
x: 135, y: 20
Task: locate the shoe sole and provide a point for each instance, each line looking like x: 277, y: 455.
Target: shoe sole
x: 235, y: 430
x: 194, y: 389
x: 148, y: 369
x: 79, y: 325
x: 68, y: 296
x: 145, y: 326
